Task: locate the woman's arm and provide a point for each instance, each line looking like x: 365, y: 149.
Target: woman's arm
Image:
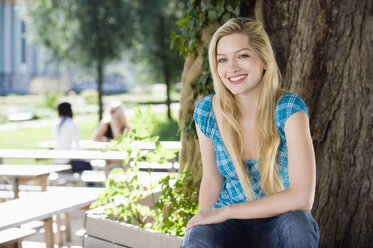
x: 101, y: 129
x: 116, y: 127
x: 212, y: 180
x: 302, y: 176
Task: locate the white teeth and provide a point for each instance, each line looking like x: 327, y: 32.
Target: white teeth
x: 234, y: 79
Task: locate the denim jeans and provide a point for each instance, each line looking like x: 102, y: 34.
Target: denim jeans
x: 292, y: 229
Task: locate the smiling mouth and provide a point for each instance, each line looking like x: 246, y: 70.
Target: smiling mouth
x: 237, y: 79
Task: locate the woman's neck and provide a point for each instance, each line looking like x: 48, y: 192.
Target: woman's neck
x: 247, y: 105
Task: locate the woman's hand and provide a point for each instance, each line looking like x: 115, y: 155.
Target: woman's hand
x: 208, y: 216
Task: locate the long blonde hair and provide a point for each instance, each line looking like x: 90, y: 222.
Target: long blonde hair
x: 118, y: 106
x: 269, y: 138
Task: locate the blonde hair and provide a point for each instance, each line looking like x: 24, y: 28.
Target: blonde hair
x: 269, y: 138
x: 118, y: 106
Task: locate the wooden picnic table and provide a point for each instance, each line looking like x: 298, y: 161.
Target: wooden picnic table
x: 64, y: 154
x: 83, y: 144
x: 98, y: 145
x: 109, y: 156
x: 43, y: 205
x: 18, y: 173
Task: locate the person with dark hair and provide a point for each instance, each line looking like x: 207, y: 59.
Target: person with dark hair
x: 66, y: 131
x: 67, y: 136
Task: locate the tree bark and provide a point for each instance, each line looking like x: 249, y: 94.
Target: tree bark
x: 324, y: 49
x: 190, y: 154
x: 99, y: 88
x: 168, y: 96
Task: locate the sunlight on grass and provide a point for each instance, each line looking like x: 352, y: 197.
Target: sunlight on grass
x: 27, y: 138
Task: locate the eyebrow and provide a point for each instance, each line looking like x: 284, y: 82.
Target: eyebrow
x: 248, y: 49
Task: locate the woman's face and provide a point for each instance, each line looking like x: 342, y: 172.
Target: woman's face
x: 240, y: 68
x: 114, y: 113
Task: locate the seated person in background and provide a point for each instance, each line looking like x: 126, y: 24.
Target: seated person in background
x: 67, y: 135
x: 113, y: 124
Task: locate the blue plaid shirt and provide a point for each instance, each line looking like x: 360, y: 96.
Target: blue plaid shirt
x: 232, y: 191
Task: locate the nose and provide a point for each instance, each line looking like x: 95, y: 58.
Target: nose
x: 233, y: 66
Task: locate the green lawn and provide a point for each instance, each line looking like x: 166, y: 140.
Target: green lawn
x: 28, y: 137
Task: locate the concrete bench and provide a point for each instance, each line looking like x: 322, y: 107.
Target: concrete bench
x: 43, y: 206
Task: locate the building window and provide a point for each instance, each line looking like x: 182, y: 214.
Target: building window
x: 23, y: 43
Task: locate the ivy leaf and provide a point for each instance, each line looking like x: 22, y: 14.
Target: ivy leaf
x: 233, y: 3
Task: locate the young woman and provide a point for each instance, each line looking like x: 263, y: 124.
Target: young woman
x: 113, y: 124
x: 67, y: 136
x: 66, y: 131
x: 258, y: 180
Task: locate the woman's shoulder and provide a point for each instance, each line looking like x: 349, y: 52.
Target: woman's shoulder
x: 203, y: 107
x: 205, y: 104
x: 203, y: 114
x: 288, y: 105
x: 291, y: 101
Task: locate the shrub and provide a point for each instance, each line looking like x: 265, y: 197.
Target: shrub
x: 90, y: 96
x: 121, y: 199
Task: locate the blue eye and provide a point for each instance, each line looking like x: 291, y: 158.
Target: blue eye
x: 243, y: 56
x: 221, y: 60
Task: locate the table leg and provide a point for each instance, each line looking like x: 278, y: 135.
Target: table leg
x: 58, y: 231
x: 49, y: 238
x: 16, y: 187
x: 43, y: 182
x: 107, y: 169
x: 68, y: 229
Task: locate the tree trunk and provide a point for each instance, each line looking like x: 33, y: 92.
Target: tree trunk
x: 168, y: 96
x: 325, y: 52
x: 99, y: 88
x: 190, y: 154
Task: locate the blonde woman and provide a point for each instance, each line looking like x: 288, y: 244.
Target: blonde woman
x: 258, y: 180
x: 113, y: 124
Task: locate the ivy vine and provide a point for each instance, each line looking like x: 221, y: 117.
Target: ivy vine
x: 199, y: 14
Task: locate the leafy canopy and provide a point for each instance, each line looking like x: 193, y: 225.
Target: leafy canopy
x: 83, y: 32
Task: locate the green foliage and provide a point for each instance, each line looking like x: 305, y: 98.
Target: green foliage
x: 205, y: 84
x: 90, y: 96
x: 51, y: 100
x: 123, y: 194
x: 176, y: 205
x: 154, y: 44
x: 80, y: 31
x: 198, y: 14
x: 168, y: 130
x: 86, y: 33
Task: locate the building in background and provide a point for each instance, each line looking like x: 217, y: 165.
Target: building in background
x: 20, y: 61
x: 28, y: 68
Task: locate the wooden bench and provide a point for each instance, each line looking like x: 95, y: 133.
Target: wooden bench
x: 43, y: 206
x: 13, y: 237
x: 20, y: 173
x: 6, y: 190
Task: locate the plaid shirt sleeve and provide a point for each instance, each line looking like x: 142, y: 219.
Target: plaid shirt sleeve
x: 202, y: 115
x: 288, y: 105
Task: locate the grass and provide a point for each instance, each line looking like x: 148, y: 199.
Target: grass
x: 27, y: 138
x: 44, y: 106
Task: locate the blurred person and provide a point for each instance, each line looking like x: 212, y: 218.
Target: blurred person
x: 67, y: 136
x: 113, y: 124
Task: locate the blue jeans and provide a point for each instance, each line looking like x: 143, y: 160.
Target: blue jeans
x: 292, y: 229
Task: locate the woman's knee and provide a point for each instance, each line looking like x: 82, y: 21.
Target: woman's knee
x: 297, y: 229
x: 199, y: 236
x: 221, y: 235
